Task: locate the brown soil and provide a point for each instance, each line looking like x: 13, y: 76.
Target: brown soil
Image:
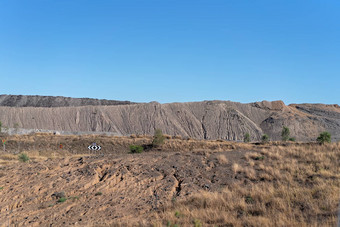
x: 114, y: 187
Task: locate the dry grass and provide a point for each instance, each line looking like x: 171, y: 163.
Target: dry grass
x: 276, y: 185
x: 297, y: 185
x: 222, y: 159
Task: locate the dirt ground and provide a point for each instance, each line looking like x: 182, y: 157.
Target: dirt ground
x: 73, y: 186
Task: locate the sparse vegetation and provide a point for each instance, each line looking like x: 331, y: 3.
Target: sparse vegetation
x: 197, y: 223
x: 158, y: 138
x: 23, y: 157
x: 249, y: 199
x: 259, y: 157
x: 136, y: 149
x: 1, y: 188
x: 324, y: 137
x: 292, y: 139
x: 177, y: 214
x: 273, y: 184
x: 73, y: 198
x: 0, y: 126
x: 222, y: 159
x: 62, y: 199
x: 285, y: 133
x: 297, y: 186
x: 265, y: 138
x: 246, y: 138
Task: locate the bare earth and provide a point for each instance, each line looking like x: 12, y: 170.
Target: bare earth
x: 165, y: 186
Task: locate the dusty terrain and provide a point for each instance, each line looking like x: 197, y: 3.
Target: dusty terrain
x: 199, y: 120
x: 183, y: 183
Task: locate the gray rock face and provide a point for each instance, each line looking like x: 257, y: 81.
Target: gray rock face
x: 200, y: 120
x: 54, y: 101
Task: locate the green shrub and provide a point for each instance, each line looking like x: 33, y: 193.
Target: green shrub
x: 61, y: 200
x: 285, y: 133
x: 249, y: 199
x: 74, y: 198
x: 136, y: 149
x: 265, y: 138
x: 23, y: 157
x: 292, y: 139
x: 158, y: 138
x: 259, y: 157
x: 197, y: 223
x: 177, y: 214
x: 324, y: 137
x: 246, y: 138
x: 98, y: 193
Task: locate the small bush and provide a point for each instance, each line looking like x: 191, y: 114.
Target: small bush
x: 23, y: 157
x: 98, y: 193
x: 74, y: 198
x: 246, y: 138
x: 292, y: 139
x: 61, y: 200
x: 265, y: 138
x: 259, y: 158
x: 177, y: 214
x: 158, y: 138
x: 324, y: 137
x: 285, y: 133
x: 136, y: 149
x: 249, y: 199
x: 197, y: 223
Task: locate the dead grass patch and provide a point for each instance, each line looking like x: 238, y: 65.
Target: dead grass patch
x: 222, y: 159
x: 295, y: 186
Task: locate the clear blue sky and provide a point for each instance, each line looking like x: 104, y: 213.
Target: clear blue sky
x: 172, y: 51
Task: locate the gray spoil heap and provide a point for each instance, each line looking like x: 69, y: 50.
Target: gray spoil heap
x: 54, y: 101
x: 200, y: 120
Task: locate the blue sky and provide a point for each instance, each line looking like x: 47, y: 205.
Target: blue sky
x: 172, y: 51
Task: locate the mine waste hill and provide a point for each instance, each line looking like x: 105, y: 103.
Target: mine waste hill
x: 54, y: 101
x: 199, y: 120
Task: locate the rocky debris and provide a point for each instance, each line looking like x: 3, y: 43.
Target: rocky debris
x: 58, y: 195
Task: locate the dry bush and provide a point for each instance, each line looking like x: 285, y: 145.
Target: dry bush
x: 236, y: 168
x: 133, y: 136
x: 222, y: 159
